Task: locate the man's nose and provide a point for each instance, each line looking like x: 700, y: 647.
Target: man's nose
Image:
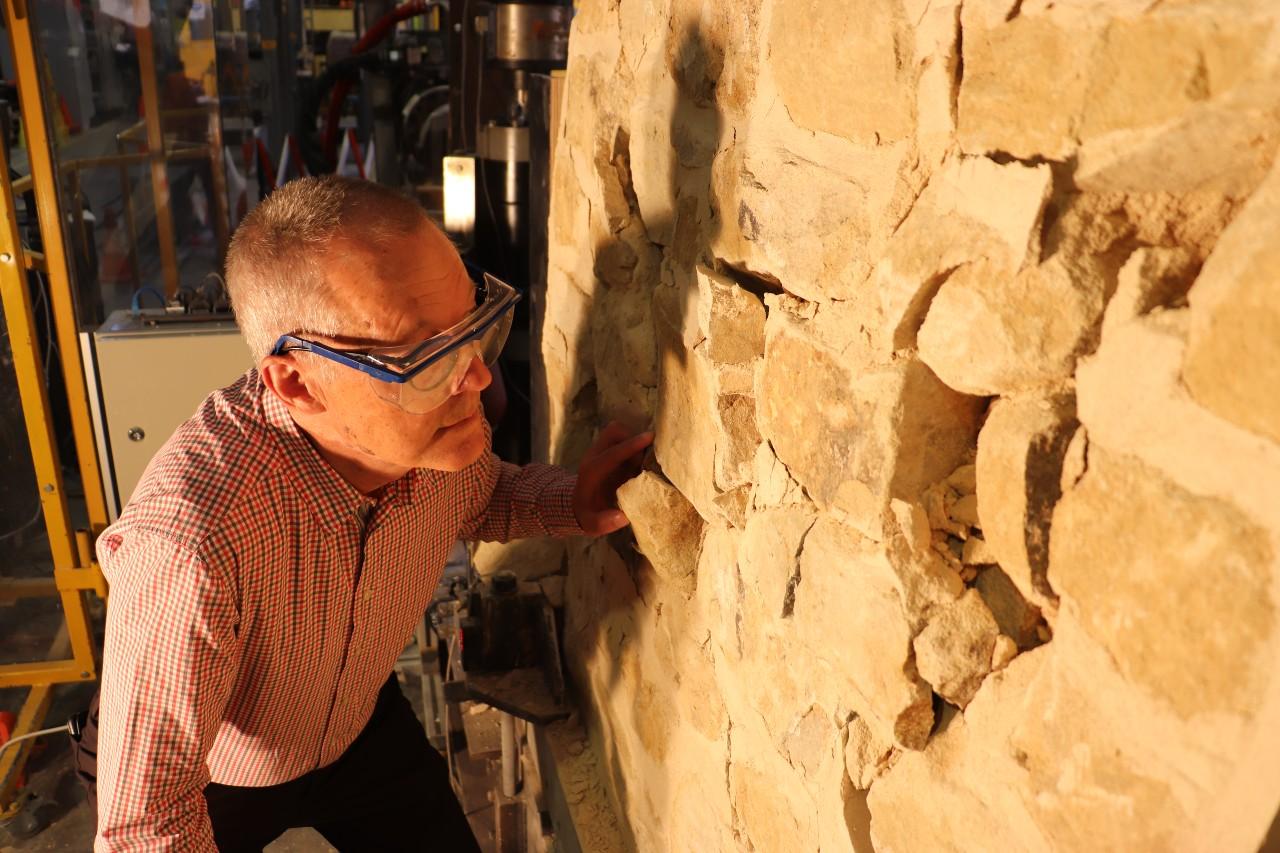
x: 476, y: 378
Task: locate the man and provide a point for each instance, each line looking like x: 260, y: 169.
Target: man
x: 282, y: 546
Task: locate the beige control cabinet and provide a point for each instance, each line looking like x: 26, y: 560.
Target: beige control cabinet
x: 153, y: 372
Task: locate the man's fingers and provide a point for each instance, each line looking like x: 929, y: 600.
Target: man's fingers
x: 610, y: 436
x: 610, y: 458
x: 607, y: 522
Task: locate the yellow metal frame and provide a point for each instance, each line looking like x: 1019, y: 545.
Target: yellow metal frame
x: 75, y: 573
x: 72, y: 657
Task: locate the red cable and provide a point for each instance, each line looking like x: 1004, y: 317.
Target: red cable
x: 375, y: 34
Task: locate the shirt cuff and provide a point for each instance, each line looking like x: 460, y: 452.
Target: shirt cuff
x: 557, y: 508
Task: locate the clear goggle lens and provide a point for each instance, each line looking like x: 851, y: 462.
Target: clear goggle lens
x: 431, y: 386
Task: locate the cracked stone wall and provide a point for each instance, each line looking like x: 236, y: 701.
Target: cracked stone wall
x: 959, y: 327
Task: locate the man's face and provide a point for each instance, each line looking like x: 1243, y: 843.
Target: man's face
x: 401, y: 292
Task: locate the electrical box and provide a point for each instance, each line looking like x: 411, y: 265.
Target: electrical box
x: 152, y: 373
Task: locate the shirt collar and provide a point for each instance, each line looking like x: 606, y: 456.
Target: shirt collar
x: 334, y: 500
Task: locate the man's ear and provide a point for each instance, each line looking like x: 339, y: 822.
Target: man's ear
x: 295, y: 388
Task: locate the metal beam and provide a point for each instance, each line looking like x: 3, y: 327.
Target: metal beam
x: 40, y: 152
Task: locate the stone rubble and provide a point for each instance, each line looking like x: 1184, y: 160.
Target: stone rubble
x: 667, y: 528
x: 954, y: 652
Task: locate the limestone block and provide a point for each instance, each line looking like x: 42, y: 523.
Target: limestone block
x: 1129, y: 555
x: 721, y: 594
x: 769, y: 558
x: 612, y: 164
x: 668, y: 529
x: 1151, y: 278
x: 912, y: 521
x: 766, y: 818
x: 731, y: 317
x: 937, y: 500
x: 1016, y: 616
x: 954, y: 651
x: 864, y: 652
x: 1005, y: 650
x: 965, y: 511
x: 528, y: 559
x: 1223, y: 146
x: 975, y: 786
x: 624, y: 353
x: 736, y: 451
x: 568, y: 369
x: 1132, y: 401
x: 772, y: 483
x: 808, y: 740
x: 815, y: 215
x: 1025, y: 81
x: 857, y: 435
x: 867, y: 95
x: 1096, y: 755
x: 1151, y: 98
x: 974, y: 209
x: 964, y: 479
x: 654, y: 159
x: 988, y: 331
x: 1020, y: 453
x: 976, y: 552
x: 867, y: 756
x: 937, y: 44
x: 1190, y: 102
x: 1233, y: 357
x: 687, y: 425
x: 711, y: 335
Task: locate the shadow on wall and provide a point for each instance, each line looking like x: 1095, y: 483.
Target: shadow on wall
x: 633, y: 331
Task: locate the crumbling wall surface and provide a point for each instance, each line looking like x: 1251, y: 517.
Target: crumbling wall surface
x: 959, y: 328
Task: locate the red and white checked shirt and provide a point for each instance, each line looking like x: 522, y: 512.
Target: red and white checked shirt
x: 258, y: 603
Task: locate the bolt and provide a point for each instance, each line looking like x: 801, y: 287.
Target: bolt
x: 48, y: 487
x: 84, y: 675
x: 6, y: 257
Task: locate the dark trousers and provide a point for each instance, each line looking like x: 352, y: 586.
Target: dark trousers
x: 389, y: 792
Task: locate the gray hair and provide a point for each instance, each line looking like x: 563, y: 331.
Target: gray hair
x: 275, y: 263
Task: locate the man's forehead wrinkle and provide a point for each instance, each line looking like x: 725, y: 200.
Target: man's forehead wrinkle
x: 397, y: 290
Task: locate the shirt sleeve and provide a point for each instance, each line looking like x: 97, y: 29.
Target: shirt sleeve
x: 508, y: 501
x: 169, y: 662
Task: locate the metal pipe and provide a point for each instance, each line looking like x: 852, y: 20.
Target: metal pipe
x: 155, y: 147
x: 130, y: 223
x: 510, y: 760
x: 219, y: 209
x: 40, y: 154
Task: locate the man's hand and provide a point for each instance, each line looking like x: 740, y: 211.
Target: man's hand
x: 611, y: 461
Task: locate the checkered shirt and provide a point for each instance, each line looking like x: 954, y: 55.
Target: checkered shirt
x: 258, y: 603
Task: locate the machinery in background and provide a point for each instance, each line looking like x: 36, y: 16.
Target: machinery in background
x: 500, y: 50
x: 131, y: 197
x: 502, y: 678
x: 387, y: 87
x: 150, y: 371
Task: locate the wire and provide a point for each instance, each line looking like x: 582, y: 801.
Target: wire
x: 65, y: 727
x: 51, y: 340
x: 24, y: 526
x: 480, y: 161
x: 136, y: 304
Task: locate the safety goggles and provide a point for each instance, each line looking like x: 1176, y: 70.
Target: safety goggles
x: 420, y: 377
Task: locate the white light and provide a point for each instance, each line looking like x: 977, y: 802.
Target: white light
x: 460, y: 196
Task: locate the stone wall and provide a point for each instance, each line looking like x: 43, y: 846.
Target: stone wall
x: 959, y: 327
